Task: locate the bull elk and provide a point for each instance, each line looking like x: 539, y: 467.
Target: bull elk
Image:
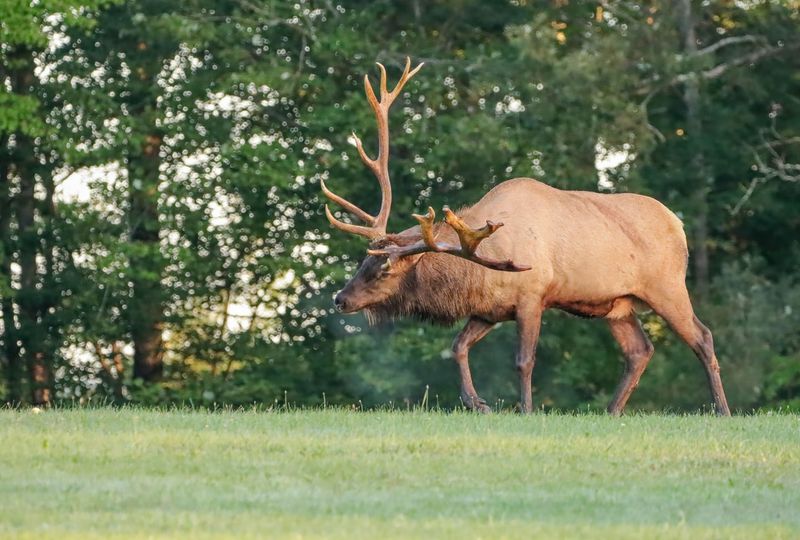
x: 590, y: 254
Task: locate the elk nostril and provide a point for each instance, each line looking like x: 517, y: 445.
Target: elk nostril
x: 339, y: 302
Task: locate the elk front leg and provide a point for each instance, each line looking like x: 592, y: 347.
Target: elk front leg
x: 473, y: 332
x: 528, y: 325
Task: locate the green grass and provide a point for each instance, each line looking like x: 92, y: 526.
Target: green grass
x: 86, y: 474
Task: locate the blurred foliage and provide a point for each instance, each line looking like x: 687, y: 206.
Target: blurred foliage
x: 253, y: 102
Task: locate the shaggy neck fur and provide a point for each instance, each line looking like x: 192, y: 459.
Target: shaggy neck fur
x: 440, y: 289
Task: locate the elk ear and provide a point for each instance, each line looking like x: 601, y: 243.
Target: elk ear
x: 391, y: 243
x: 399, y: 240
x: 404, y: 261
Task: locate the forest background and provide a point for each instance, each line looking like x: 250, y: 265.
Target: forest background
x: 162, y: 238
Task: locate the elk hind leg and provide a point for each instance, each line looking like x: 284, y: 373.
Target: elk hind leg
x: 473, y: 332
x: 638, y: 351
x: 676, y: 308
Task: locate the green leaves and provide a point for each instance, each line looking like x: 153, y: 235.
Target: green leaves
x: 20, y: 114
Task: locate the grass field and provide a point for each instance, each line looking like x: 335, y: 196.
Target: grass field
x: 150, y: 474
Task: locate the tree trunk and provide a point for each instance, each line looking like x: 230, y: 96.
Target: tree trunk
x: 700, y: 172
x: 146, y: 305
x: 12, y: 363
x: 29, y: 297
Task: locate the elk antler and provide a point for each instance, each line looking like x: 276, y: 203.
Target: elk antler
x: 380, y: 166
x: 468, y: 237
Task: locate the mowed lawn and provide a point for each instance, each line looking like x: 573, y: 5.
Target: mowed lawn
x: 336, y: 474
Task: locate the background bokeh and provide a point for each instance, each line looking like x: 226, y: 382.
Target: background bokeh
x: 162, y: 238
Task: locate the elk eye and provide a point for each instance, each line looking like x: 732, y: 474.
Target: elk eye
x: 386, y: 268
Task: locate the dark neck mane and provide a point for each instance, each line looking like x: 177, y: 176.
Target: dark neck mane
x: 441, y: 289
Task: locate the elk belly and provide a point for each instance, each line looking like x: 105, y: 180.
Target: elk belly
x: 621, y: 308
x: 618, y: 308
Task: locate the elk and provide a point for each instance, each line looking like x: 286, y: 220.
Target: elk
x: 590, y: 254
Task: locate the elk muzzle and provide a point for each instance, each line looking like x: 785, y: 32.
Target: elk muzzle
x: 347, y: 302
x: 340, y: 302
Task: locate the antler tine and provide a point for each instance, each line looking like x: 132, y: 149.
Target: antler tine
x: 383, y: 81
x: 373, y: 101
x: 407, y: 74
x: 368, y: 232
x: 403, y: 78
x: 426, y: 228
x: 467, y: 236
x: 369, y: 162
x: 347, y: 205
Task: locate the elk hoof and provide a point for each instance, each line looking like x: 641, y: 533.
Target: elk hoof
x: 477, y: 404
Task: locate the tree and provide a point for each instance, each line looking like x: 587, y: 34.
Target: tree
x: 29, y: 158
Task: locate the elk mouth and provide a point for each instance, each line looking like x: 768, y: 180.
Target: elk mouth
x: 347, y: 310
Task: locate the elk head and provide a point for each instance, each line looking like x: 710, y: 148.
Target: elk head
x: 392, y: 256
